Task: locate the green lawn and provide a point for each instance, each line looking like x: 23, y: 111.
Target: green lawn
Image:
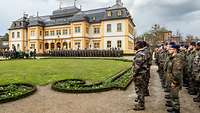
x: 44, y: 71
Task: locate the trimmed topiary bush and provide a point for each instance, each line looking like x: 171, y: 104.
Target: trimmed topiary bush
x: 12, y: 92
x: 120, y: 81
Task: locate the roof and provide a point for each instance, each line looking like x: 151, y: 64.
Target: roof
x: 66, y: 11
x: 66, y: 15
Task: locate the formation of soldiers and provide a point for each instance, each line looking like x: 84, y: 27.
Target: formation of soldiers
x: 141, y: 73
x: 85, y: 53
x: 13, y: 54
x: 1, y: 53
x: 179, y: 66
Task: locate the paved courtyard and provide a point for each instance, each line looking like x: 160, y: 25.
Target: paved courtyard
x: 47, y: 101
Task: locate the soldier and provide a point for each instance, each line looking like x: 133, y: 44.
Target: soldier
x: 190, y: 58
x: 85, y: 53
x: 139, y: 74
x: 183, y: 53
x: 156, y: 55
x: 167, y: 59
x: 95, y: 53
x: 163, y: 54
x: 196, y: 72
x: 160, y: 51
x: 103, y: 53
x: 147, y: 78
x: 166, y: 78
x: 70, y: 53
x: 174, y: 73
x: 34, y: 54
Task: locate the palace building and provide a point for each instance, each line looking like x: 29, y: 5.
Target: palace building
x: 72, y: 28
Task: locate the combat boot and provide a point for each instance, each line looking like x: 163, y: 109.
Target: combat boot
x: 197, y: 99
x: 172, y: 110
x: 138, y: 107
x: 167, y: 96
x: 176, y: 111
x: 147, y: 93
x: 168, y: 104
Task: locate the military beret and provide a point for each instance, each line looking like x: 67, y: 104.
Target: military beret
x: 193, y: 43
x: 141, y: 44
x: 174, y: 46
x: 198, y: 43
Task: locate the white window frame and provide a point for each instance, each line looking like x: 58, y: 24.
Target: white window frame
x: 119, y: 27
x: 119, y: 44
x: 110, y: 45
x: 78, y: 29
x: 109, y: 28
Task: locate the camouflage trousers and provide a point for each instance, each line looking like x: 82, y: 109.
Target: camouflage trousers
x: 147, y: 78
x: 185, y: 77
x: 174, y: 97
x: 197, y: 86
x: 167, y: 82
x: 192, y: 85
x: 139, y: 82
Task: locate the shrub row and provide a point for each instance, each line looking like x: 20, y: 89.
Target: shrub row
x: 120, y: 81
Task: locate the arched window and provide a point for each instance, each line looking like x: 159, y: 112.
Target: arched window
x: 65, y: 46
x: 58, y: 45
x: 94, y: 18
x: 52, y: 46
x: 46, y: 45
x: 18, y: 46
x: 70, y: 45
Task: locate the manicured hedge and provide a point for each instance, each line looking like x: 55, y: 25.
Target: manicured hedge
x: 120, y: 81
x: 12, y: 92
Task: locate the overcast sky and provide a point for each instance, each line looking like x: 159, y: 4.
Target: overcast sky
x: 181, y: 15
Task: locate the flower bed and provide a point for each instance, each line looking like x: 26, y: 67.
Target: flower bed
x: 12, y: 92
x: 120, y: 81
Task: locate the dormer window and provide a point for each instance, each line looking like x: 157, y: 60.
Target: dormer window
x: 119, y: 12
x: 109, y: 13
x: 22, y: 23
x: 94, y: 18
x: 19, y: 23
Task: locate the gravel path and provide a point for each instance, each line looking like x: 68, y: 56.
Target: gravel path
x: 47, y: 101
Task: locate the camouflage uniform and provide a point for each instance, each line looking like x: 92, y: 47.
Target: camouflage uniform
x: 157, y: 56
x: 183, y: 53
x: 147, y: 77
x: 196, y: 74
x: 162, y: 60
x: 174, y: 74
x: 166, y: 80
x: 140, y: 70
x: 190, y: 59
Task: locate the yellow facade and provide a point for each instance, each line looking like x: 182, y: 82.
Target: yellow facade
x: 36, y: 36
x: 89, y: 30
